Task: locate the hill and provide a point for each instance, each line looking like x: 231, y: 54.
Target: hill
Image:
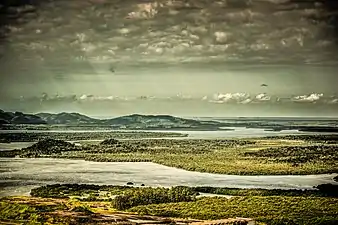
x: 67, y: 118
x: 137, y: 121
x: 19, y: 118
x: 132, y: 122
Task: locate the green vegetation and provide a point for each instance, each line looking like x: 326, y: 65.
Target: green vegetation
x: 271, y: 210
x: 42, y: 148
x: 110, y: 142
x: 48, y: 147
x: 267, y: 206
x: 85, y: 192
x: 146, y: 196
x: 19, y: 212
x: 77, y: 136
x: 89, y: 192
x: 235, y: 156
x: 23, y: 211
x: 322, y: 138
x: 299, y: 154
x: 324, y: 190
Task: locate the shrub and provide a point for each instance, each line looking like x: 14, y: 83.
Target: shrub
x: 335, y: 178
x: 145, y: 196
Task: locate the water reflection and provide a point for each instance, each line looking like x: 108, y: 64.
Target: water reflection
x: 18, y: 176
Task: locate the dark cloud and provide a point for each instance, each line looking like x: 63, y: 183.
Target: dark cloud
x: 230, y: 46
x: 172, y: 31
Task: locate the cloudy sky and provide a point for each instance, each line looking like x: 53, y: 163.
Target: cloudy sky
x: 182, y: 57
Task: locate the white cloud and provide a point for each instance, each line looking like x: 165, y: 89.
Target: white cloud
x: 230, y: 97
x: 221, y: 36
x: 220, y: 98
x: 263, y: 97
x: 83, y: 97
x: 308, y: 98
x: 246, y: 101
x: 333, y: 101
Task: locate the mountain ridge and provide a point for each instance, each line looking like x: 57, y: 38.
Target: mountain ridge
x: 19, y: 118
x: 132, y: 121
x: 67, y: 118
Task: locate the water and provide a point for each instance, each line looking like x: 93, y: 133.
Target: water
x: 237, y: 132
x: 14, y: 145
x: 18, y: 176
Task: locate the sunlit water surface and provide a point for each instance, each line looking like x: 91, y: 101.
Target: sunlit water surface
x: 18, y: 176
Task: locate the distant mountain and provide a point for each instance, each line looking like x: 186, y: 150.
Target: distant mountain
x: 137, y: 121
x: 19, y: 118
x: 132, y: 122
x: 67, y: 118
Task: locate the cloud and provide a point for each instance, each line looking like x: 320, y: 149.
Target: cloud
x: 314, y: 97
x: 194, y: 30
x: 95, y: 98
x: 221, y: 36
x: 246, y: 101
x: 230, y: 97
x: 263, y: 97
x: 219, y: 98
x: 334, y: 101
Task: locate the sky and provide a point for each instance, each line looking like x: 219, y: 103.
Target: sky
x: 191, y: 57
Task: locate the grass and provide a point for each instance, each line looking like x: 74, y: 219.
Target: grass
x: 324, y: 190
x: 76, y: 136
x: 89, y: 192
x: 18, y: 212
x: 289, y: 155
x: 83, y: 192
x: 221, y: 161
x: 29, y: 211
x: 265, y: 206
x: 271, y: 210
x: 238, y: 156
x: 145, y: 196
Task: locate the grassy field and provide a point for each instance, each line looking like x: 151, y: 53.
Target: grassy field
x: 93, y: 204
x: 82, y: 135
x: 271, y: 210
x: 265, y: 156
x: 31, y: 210
x: 240, y: 157
x: 177, y: 202
x: 90, y: 192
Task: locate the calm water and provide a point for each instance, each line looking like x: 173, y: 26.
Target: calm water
x: 238, y: 132
x: 18, y: 176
